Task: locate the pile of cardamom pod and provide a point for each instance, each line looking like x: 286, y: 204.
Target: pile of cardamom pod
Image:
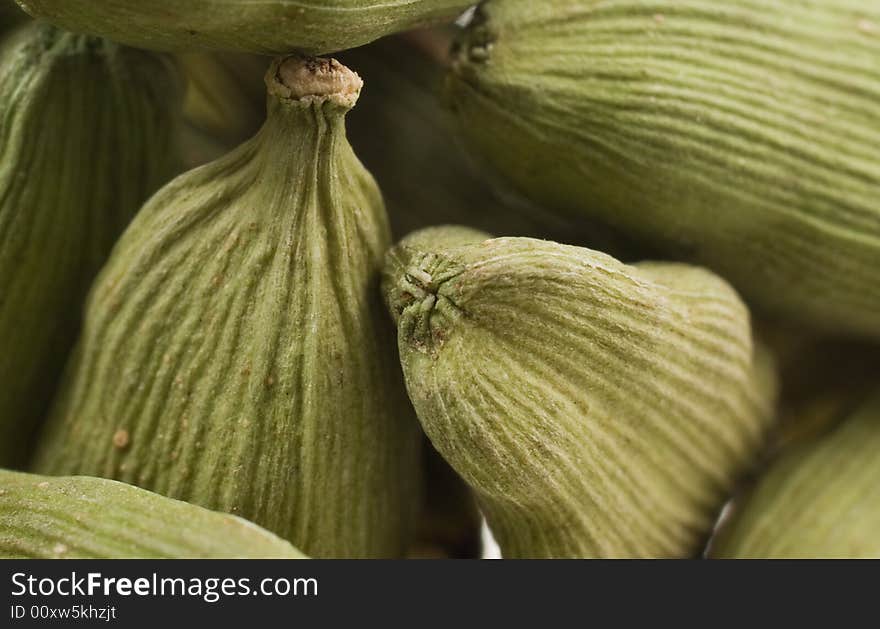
x: 241, y: 316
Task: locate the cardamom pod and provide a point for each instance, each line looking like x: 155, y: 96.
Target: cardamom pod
x: 597, y: 409
x: 222, y: 97
x: 235, y: 352
x: 86, y: 135
x: 44, y: 517
x: 742, y: 134
x: 407, y: 139
x: 818, y: 500
x: 276, y: 27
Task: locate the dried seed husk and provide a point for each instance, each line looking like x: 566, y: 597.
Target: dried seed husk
x: 818, y: 500
x: 198, y: 147
x: 44, y: 517
x: 87, y: 133
x: 277, y: 27
x: 742, y: 135
x: 597, y: 409
x: 237, y: 340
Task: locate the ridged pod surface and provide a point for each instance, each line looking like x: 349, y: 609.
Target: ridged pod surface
x: 86, y: 135
x: 597, y: 409
x: 225, y: 103
x: 740, y: 134
x: 275, y: 27
x: 225, y: 96
x: 43, y: 517
x: 819, y: 500
x: 236, y: 353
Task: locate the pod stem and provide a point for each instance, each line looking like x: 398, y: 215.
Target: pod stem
x: 313, y: 80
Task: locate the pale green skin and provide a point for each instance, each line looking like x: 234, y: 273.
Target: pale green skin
x: 740, y: 134
x: 596, y: 409
x: 43, y: 517
x: 818, y: 500
x: 87, y: 133
x: 237, y: 334
x: 274, y: 27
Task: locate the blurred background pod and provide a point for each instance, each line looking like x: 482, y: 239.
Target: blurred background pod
x: 741, y: 135
x: 236, y: 353
x: 87, y: 133
x: 277, y: 27
x: 819, y: 499
x: 198, y: 148
x: 225, y: 102
x: 44, y: 517
x: 407, y: 138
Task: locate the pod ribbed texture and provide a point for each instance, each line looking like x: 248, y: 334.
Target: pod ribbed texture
x: 742, y: 134
x: 820, y: 500
x: 274, y: 27
x: 597, y: 409
x: 236, y: 353
x: 44, y: 517
x: 86, y: 135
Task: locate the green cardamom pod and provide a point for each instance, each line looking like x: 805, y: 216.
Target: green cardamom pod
x: 276, y: 27
x: 86, y: 134
x: 818, y: 500
x: 597, y: 409
x: 43, y: 517
x: 236, y: 353
x: 406, y: 138
x: 741, y: 134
